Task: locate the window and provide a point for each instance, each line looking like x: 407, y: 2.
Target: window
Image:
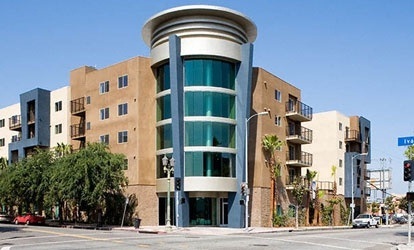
x: 15, y: 138
x: 88, y: 126
x: 126, y: 164
x: 123, y: 109
x: 278, y: 121
x: 2, y: 142
x: 340, y: 181
x: 122, y: 81
x: 103, y: 87
x: 122, y: 136
x: 88, y: 100
x: 58, y: 106
x: 340, y: 144
x: 58, y: 129
x: 2, y: 123
x: 340, y: 163
x: 104, y: 139
x: 340, y: 126
x: 104, y: 113
x: 278, y: 95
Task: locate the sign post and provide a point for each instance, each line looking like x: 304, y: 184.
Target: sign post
x: 407, y: 141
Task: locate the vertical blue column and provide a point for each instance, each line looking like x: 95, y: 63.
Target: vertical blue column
x: 177, y: 116
x: 243, y: 104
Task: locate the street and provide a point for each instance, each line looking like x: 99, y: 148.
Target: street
x: 13, y: 237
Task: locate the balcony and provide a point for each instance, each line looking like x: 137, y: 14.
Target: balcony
x: 15, y: 122
x: 302, y: 159
x: 290, y: 181
x: 31, y: 117
x: 77, y: 131
x: 352, y: 135
x: 77, y: 106
x: 325, y: 186
x: 304, y: 137
x: 298, y: 111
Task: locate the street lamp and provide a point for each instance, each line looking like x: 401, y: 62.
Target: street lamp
x: 352, y: 205
x: 168, y: 168
x: 246, y: 155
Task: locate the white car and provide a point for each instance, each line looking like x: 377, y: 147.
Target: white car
x: 364, y: 220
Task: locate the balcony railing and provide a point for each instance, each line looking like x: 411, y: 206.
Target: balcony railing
x: 77, y: 105
x: 304, y: 137
x: 77, y: 130
x: 303, y: 159
x: 298, y: 111
x: 15, y: 122
x: 352, y: 135
x: 325, y: 185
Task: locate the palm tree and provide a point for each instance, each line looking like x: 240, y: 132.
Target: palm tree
x: 270, y: 144
x: 310, y: 176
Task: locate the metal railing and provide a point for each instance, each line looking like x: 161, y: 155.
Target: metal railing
x: 304, y: 158
x: 300, y: 108
x: 305, y: 133
x: 77, y: 105
x: 352, y: 135
x: 15, y: 121
x: 77, y: 130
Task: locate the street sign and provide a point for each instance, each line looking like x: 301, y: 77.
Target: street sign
x: 405, y: 141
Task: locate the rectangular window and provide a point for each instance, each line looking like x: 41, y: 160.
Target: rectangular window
x: 340, y: 126
x: 126, y: 164
x: 58, y: 129
x: 58, y: 106
x: 2, y: 142
x: 104, y: 87
x: 104, y: 113
x: 88, y: 100
x: 123, y: 109
x: 88, y: 126
x: 340, y: 181
x: 278, y: 121
x: 2, y: 123
x: 104, y: 139
x: 278, y: 95
x: 340, y: 144
x: 122, y: 81
x: 122, y: 136
x: 340, y: 163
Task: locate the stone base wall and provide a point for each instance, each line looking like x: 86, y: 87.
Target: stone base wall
x: 260, y: 207
x: 147, y: 208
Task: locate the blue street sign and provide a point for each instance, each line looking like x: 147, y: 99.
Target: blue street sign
x: 405, y: 141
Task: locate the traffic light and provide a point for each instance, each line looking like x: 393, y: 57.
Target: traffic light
x: 408, y: 170
x: 243, y: 188
x: 177, y: 184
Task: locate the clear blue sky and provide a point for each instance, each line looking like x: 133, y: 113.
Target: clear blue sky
x: 352, y: 56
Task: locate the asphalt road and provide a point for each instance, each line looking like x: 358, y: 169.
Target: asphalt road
x: 13, y: 237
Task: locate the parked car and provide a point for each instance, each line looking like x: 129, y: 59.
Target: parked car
x: 6, y: 218
x: 29, y: 218
x: 364, y: 220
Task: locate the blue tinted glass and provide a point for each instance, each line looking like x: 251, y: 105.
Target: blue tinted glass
x: 210, y: 164
x: 164, y: 136
x: 212, y: 134
x: 164, y: 107
x: 209, y: 72
x: 209, y: 104
x: 163, y: 77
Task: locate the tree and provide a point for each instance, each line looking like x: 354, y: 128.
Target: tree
x: 409, y: 153
x: 298, y: 193
x: 270, y: 144
x: 310, y: 176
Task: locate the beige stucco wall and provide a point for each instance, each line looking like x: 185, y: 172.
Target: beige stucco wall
x: 5, y: 132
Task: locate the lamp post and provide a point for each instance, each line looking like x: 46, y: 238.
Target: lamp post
x: 168, y: 168
x: 246, y: 154
x: 352, y: 205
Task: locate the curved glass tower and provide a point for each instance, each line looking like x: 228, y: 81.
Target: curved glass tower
x: 202, y: 58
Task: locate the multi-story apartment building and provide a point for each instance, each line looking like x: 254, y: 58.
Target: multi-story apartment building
x: 39, y: 120
x: 192, y: 100
x: 339, y: 139
x: 6, y: 135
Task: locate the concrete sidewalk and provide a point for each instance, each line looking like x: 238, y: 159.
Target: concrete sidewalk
x: 223, y: 230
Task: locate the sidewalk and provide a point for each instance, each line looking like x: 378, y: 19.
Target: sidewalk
x: 223, y: 230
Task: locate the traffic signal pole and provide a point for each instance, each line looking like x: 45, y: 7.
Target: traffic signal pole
x: 409, y: 215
